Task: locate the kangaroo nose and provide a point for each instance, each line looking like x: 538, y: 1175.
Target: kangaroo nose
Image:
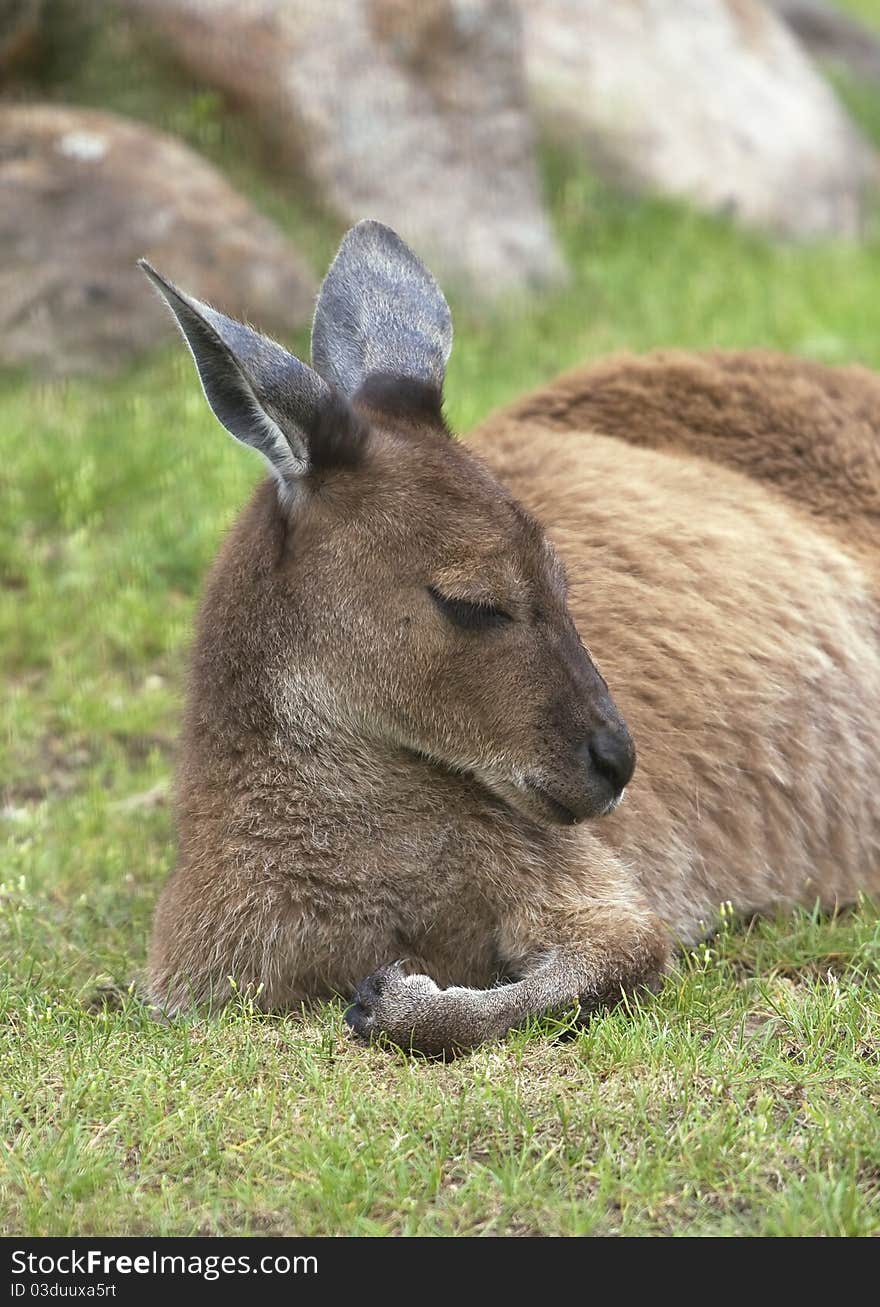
x: 613, y: 756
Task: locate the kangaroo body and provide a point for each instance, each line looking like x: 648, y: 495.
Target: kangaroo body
x: 397, y: 782
x: 733, y: 609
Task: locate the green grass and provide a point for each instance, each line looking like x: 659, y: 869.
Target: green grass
x: 867, y: 10
x: 743, y: 1099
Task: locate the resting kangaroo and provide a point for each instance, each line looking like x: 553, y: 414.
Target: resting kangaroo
x: 397, y: 745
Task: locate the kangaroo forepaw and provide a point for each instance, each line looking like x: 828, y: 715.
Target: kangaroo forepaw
x: 365, y: 1001
x: 396, y: 1005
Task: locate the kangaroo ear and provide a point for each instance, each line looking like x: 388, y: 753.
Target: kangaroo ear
x: 380, y: 311
x: 263, y: 396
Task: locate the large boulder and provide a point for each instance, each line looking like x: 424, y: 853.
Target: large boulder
x: 830, y: 34
x: 84, y: 195
x: 411, y: 113
x: 711, y: 100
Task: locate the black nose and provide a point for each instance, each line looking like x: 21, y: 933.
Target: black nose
x: 613, y: 756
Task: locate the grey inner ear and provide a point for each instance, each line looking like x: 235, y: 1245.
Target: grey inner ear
x: 263, y: 396
x: 380, y: 310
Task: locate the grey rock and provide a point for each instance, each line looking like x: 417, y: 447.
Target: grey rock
x: 830, y: 34
x: 413, y: 114
x: 710, y: 100
x: 84, y: 195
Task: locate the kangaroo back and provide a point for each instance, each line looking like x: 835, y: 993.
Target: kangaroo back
x: 811, y: 431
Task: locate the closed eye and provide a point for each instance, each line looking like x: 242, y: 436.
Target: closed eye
x: 468, y: 616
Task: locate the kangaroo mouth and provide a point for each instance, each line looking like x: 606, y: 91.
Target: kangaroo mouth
x: 595, y: 805
x: 558, y: 812
x: 532, y: 798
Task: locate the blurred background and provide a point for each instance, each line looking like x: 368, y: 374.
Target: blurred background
x: 583, y: 176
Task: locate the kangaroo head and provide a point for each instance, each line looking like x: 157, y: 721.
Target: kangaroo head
x: 427, y: 608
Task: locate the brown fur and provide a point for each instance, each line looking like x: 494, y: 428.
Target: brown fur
x: 344, y: 793
x: 809, y: 430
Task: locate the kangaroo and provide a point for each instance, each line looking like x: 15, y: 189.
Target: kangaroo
x: 404, y: 777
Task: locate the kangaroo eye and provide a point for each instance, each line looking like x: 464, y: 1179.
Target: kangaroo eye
x: 468, y: 616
